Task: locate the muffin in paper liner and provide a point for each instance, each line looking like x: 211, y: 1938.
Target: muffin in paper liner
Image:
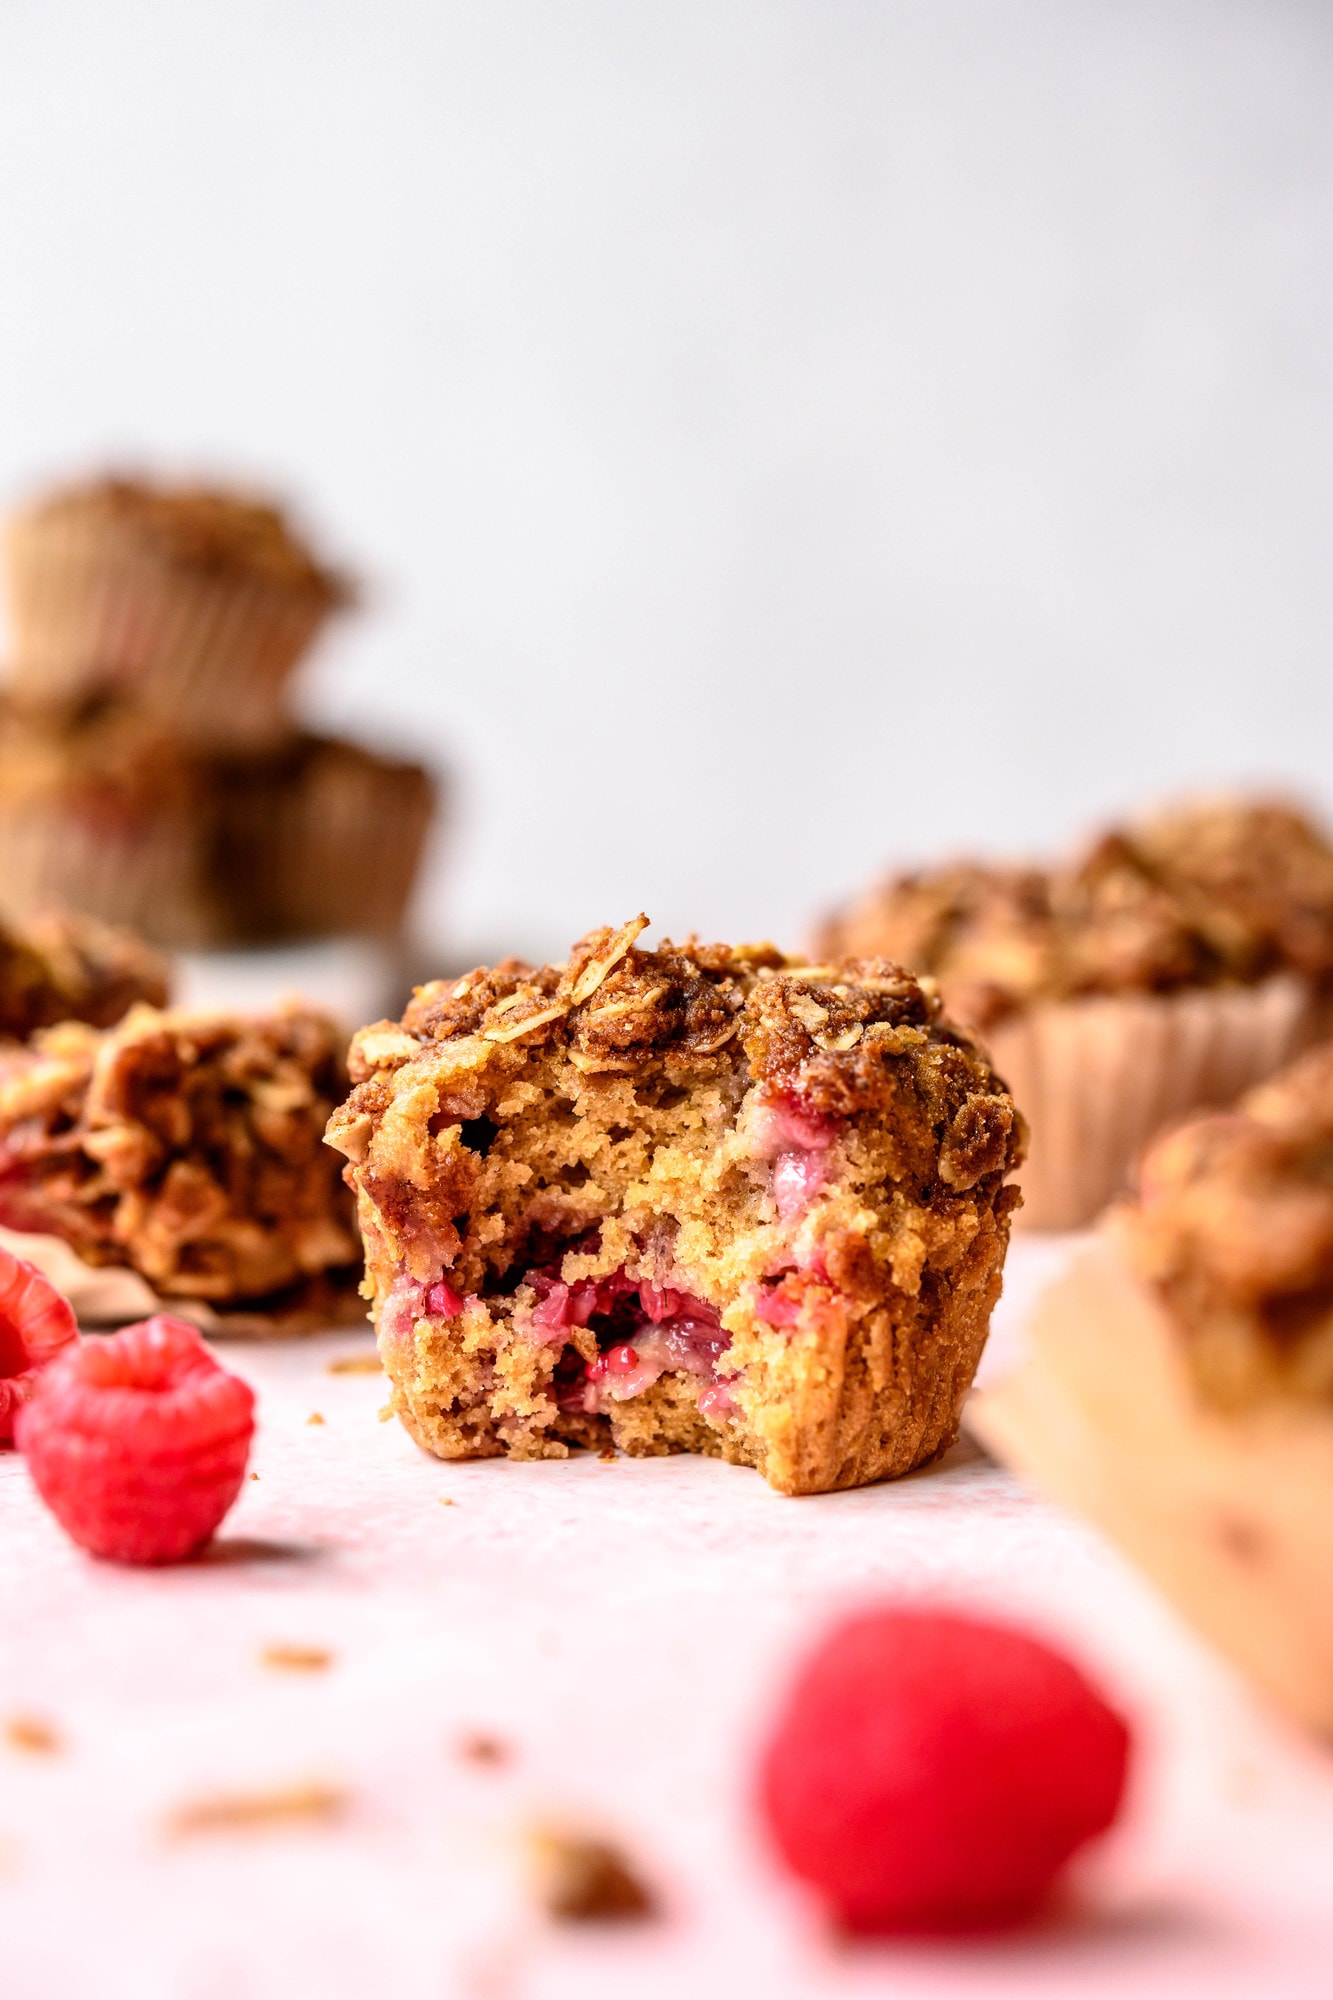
x: 1229, y: 1511
x: 1170, y: 964
x: 194, y: 605
x: 324, y: 839
x: 1096, y: 1078
x: 103, y: 814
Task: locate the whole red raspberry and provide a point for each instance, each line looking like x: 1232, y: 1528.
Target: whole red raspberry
x: 137, y: 1441
x: 934, y: 1773
x: 36, y: 1321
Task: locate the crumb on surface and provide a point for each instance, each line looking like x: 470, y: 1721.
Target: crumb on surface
x: 247, y: 1812
x: 368, y: 1363
x: 32, y: 1733
x: 447, y: 1500
x: 608, y: 1454
x: 581, y: 1879
x: 481, y: 1747
x: 297, y: 1659
x: 314, y: 1418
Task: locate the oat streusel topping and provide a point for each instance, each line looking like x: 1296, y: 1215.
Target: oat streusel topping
x: 188, y: 1146
x: 1225, y: 891
x: 199, y: 527
x: 1234, y: 1226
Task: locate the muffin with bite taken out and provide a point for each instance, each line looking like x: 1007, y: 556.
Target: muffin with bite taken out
x: 697, y: 1198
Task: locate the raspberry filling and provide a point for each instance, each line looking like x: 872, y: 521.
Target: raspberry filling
x: 797, y: 1140
x: 649, y: 1330
x: 797, y: 1179
x: 36, y: 1322
x: 785, y: 1123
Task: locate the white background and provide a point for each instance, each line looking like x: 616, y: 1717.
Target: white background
x: 779, y: 437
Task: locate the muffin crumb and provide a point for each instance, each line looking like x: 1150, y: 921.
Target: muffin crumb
x: 34, y: 1734
x: 582, y: 1880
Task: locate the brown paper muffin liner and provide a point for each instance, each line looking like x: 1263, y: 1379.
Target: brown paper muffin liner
x: 1231, y: 1515
x: 1096, y: 1078
x: 148, y: 873
x: 326, y: 841
x: 208, y: 653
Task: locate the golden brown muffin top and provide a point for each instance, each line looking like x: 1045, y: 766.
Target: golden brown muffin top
x: 844, y: 1030
x: 198, y: 527
x: 1225, y: 891
x: 1234, y: 1226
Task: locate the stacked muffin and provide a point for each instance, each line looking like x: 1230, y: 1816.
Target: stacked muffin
x: 150, y: 770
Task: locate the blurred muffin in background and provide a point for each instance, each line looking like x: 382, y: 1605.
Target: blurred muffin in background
x: 1171, y: 965
x: 194, y: 602
x: 67, y: 968
x: 186, y: 1146
x: 151, y: 770
x: 322, y: 837
x: 1177, y: 1384
x: 101, y: 811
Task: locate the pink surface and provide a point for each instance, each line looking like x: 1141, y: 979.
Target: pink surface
x: 625, y: 1627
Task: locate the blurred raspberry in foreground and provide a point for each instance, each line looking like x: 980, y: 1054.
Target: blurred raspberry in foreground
x: 934, y: 1773
x: 138, y: 1441
x: 36, y: 1323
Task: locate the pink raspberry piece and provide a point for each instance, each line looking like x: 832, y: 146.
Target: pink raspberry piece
x: 797, y: 1179
x: 934, y: 1773
x: 788, y: 1123
x: 36, y: 1322
x: 717, y: 1404
x: 137, y: 1441
x: 442, y: 1301
x: 552, y: 1312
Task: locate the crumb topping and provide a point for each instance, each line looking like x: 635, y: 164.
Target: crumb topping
x: 198, y: 527
x: 185, y: 1145
x: 1234, y: 1226
x: 1225, y: 891
x: 615, y: 1007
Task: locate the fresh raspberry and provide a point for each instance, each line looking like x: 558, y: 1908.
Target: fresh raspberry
x: 137, y: 1441
x: 934, y: 1773
x: 36, y: 1321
